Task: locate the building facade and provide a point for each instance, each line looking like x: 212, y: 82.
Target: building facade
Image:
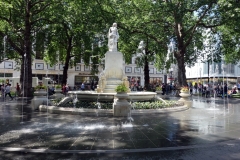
x: 217, y: 73
x: 80, y: 73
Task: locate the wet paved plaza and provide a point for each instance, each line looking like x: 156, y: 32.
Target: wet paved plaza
x: 208, y: 130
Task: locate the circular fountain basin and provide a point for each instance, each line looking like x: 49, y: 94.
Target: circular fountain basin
x: 90, y: 95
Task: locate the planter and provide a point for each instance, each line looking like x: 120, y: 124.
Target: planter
x: 40, y: 92
x: 185, y: 98
x: 40, y: 97
x: 58, y: 90
x: 158, y: 92
x: 121, y: 107
x: 58, y: 93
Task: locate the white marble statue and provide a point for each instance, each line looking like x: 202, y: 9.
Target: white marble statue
x: 141, y: 45
x: 141, y: 48
x: 113, y: 37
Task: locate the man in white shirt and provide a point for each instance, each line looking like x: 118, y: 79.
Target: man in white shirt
x: 7, y: 91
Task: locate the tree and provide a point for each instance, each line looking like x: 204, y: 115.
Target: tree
x: 133, y: 28
x: 229, y: 33
x: 163, y: 21
x: 75, y: 35
x: 20, y: 20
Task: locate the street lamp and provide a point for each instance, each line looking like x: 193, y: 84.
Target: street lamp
x: 171, y: 75
x: 4, y: 52
x: 200, y: 69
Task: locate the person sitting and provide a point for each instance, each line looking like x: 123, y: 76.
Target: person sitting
x: 233, y: 91
x: 82, y: 87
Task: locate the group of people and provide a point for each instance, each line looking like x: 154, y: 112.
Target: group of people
x: 66, y: 88
x: 213, y: 90
x: 168, y: 88
x: 6, y: 90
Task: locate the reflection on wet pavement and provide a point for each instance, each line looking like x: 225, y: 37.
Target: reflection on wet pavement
x: 208, y: 122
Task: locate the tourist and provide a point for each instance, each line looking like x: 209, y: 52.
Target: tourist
x: 163, y: 89
x: 3, y: 91
x: 68, y: 88
x: 208, y: 91
x: 238, y: 86
x: 18, y: 90
x: 191, y: 88
x: 83, y: 87
x: 64, y: 90
x: 225, y: 89
x: 174, y: 90
x: 195, y: 87
x: 8, y: 91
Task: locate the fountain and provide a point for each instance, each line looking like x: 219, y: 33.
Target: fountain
x: 111, y: 77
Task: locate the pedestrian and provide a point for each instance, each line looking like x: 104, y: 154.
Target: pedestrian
x: 8, y: 91
x: 225, y: 90
x: 82, y: 87
x: 3, y: 91
x: 18, y: 90
x: 163, y: 89
x: 238, y: 86
x: 64, y: 90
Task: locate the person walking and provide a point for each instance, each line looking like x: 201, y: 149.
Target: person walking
x: 8, y: 90
x: 225, y: 89
x: 17, y: 90
x: 3, y: 91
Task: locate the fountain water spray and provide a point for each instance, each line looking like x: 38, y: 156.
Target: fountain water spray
x: 47, y: 95
x: 75, y: 101
x: 4, y: 53
x: 23, y: 83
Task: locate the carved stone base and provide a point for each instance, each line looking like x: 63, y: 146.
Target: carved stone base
x: 185, y: 99
x: 121, y: 107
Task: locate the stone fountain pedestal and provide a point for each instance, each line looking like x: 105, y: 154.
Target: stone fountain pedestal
x: 58, y: 94
x: 121, y: 107
x: 113, y: 74
x: 40, y: 97
x: 185, y: 98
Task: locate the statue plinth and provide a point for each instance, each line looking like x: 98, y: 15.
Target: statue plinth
x: 113, y: 74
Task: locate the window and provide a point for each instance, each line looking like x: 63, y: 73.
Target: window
x: 6, y: 75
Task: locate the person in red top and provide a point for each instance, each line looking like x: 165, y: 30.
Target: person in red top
x: 18, y: 90
x: 64, y: 89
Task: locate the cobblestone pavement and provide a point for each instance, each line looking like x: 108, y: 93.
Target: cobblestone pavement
x: 208, y: 130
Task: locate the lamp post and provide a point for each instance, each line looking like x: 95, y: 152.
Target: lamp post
x: 4, y: 52
x: 171, y: 75
x: 200, y: 69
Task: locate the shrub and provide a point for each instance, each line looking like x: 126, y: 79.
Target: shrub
x: 121, y: 88
x: 58, y: 86
x: 40, y: 87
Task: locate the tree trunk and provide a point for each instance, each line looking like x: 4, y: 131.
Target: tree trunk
x: 181, y: 70
x: 26, y: 67
x: 146, y: 74
x: 66, y: 65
